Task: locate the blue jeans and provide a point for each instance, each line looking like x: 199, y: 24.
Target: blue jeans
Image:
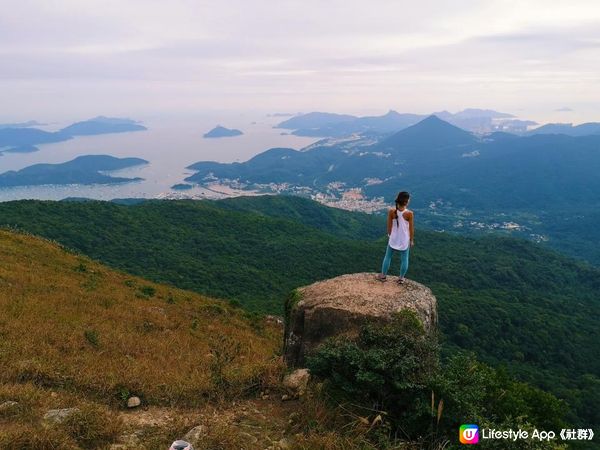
x: 388, y: 259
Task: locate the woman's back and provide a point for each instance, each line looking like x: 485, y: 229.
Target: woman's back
x: 400, y: 235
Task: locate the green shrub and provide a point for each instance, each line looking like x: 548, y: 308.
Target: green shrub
x: 389, y: 367
x: 475, y: 393
x: 394, y: 370
x: 92, y: 337
x: 146, y: 291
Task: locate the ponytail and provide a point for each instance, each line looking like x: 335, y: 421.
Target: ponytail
x: 401, y: 200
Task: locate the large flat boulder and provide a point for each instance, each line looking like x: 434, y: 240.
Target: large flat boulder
x: 343, y: 304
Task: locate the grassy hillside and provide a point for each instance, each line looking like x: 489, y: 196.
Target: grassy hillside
x: 338, y: 222
x: 76, y: 333
x: 210, y: 247
x: 510, y: 301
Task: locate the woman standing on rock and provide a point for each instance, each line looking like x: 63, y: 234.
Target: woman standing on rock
x: 401, y: 233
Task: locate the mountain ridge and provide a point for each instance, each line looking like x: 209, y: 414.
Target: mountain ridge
x: 204, y: 245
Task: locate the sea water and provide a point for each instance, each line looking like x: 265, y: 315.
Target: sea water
x: 170, y: 145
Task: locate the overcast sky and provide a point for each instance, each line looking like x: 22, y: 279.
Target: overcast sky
x: 77, y: 58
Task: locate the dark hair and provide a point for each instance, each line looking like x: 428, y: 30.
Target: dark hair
x: 401, y: 200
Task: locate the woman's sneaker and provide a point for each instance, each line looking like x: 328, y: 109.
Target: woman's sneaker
x: 380, y: 277
x: 401, y: 280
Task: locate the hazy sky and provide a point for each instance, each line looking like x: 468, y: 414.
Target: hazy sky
x: 76, y: 58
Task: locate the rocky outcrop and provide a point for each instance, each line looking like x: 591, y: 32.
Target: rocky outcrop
x: 343, y: 304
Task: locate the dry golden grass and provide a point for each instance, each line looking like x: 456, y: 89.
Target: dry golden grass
x: 22, y: 426
x: 19, y: 436
x: 72, y: 324
x: 74, y: 333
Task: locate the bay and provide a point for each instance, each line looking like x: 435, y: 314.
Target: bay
x: 170, y: 145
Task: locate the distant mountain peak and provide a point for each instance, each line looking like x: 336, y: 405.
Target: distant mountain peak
x: 433, y: 121
x: 430, y: 132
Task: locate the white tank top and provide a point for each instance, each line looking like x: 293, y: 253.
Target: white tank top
x: 400, y: 236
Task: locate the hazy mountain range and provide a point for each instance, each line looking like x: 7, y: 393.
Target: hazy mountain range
x: 585, y: 129
x: 338, y: 125
x: 480, y: 121
x: 459, y: 180
x: 438, y: 160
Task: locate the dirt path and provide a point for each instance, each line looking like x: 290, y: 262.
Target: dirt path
x: 248, y: 424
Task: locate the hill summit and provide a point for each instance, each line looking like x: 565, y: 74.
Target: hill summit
x: 431, y: 132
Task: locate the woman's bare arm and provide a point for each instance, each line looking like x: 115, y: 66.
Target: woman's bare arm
x: 410, y: 217
x: 390, y: 220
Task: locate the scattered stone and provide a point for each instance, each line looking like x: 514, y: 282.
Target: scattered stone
x: 285, y: 397
x: 249, y: 438
x: 133, y: 402
x: 274, y: 319
x: 56, y: 416
x: 195, y: 434
x: 128, y: 441
x: 296, y: 382
x: 8, y: 406
x: 283, y: 444
x: 157, y: 309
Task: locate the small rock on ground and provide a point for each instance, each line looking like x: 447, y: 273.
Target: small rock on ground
x: 55, y: 416
x: 297, y: 382
x: 8, y: 406
x: 133, y: 402
x: 195, y: 434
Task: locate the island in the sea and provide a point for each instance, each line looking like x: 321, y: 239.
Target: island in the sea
x: 219, y: 132
x: 18, y: 138
x: 20, y: 149
x: 88, y: 169
x: 28, y: 124
x: 102, y: 125
x: 182, y: 187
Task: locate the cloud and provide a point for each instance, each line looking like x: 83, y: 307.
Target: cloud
x: 300, y: 54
